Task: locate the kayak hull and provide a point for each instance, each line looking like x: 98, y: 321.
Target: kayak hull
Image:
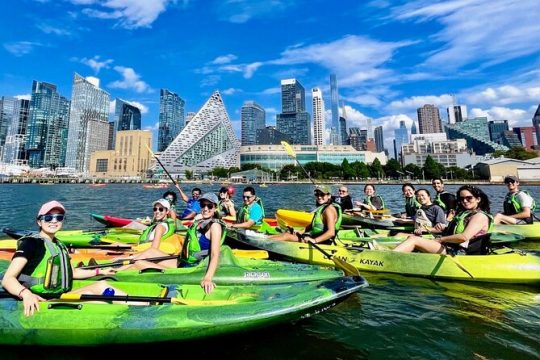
x: 513, y: 267
x: 81, y: 323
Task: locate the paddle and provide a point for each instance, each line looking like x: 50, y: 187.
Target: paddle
x: 151, y: 299
x: 12, y: 245
x: 128, y: 262
x: 458, y: 264
x: 348, y: 269
x: 291, y: 153
x: 161, y: 164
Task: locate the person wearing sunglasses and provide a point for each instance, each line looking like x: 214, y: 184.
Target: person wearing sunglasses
x: 192, y: 205
x: 447, y: 201
x: 252, y: 213
x: 325, y: 223
x: 465, y: 232
x: 40, y: 254
x: 170, y: 196
x: 518, y: 206
x: 226, y: 204
x: 344, y: 199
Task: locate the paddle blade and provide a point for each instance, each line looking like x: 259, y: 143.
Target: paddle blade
x: 288, y: 149
x: 348, y: 269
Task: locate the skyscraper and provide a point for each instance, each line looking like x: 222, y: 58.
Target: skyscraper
x: 7, y: 112
x: 456, y: 113
x: 319, y: 114
x: 496, y: 130
x: 47, y: 133
x: 126, y: 117
x: 171, y: 117
x: 413, y: 128
x: 379, y: 139
x: 253, y: 118
x: 88, y: 122
x: 334, y: 98
x: 536, y: 124
x: 370, y: 133
x: 344, y: 138
x: 429, y: 120
x: 401, y: 137
x: 13, y: 152
x: 293, y: 120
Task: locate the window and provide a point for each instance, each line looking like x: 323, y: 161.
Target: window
x: 102, y: 165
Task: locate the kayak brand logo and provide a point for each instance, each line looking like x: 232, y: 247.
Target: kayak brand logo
x: 371, y: 262
x: 256, y: 275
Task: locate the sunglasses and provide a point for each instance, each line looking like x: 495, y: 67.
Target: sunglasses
x: 509, y: 182
x: 160, y: 209
x: 466, y: 198
x: 209, y: 206
x: 319, y: 194
x: 51, y: 217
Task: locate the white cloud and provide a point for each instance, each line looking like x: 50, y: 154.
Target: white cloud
x: 225, y: 59
x: 271, y: 91
x: 354, y: 117
x: 96, y: 64
x: 21, y: 48
x: 153, y: 127
x: 143, y: 108
x: 515, y: 117
x: 131, y: 80
x: 505, y: 95
x: 241, y: 11
x: 48, y: 29
x: 390, y: 124
x: 477, y: 30
x: 131, y: 14
x: 210, y: 80
x: 414, y: 102
x: 231, y: 91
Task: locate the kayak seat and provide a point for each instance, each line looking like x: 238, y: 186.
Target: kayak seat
x: 480, y: 245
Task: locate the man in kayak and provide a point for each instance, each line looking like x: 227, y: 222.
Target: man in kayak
x: 192, y: 205
x: 325, y: 224
x: 252, y: 213
x: 444, y: 199
x: 518, y: 205
x: 41, y: 266
x: 343, y: 199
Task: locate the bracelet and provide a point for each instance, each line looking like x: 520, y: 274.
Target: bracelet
x: 97, y: 271
x: 20, y: 292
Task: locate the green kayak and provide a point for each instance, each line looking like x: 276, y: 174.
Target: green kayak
x: 182, y: 312
x: 505, y: 266
x: 530, y: 232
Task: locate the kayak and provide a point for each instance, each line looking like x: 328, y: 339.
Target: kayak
x: 111, y: 221
x: 293, y: 218
x: 530, y: 232
x: 507, y: 266
x: 185, y: 312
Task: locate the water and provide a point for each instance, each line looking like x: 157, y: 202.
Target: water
x: 396, y: 317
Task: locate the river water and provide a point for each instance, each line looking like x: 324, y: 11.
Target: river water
x: 396, y: 317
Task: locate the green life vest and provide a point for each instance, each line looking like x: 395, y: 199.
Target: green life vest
x: 411, y: 205
x: 53, y: 275
x: 458, y: 223
x: 192, y: 245
x: 367, y: 200
x: 438, y: 200
x: 243, y: 216
x: 317, y: 224
x: 171, y: 228
x: 512, y: 206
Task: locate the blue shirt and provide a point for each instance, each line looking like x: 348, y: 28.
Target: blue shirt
x: 256, y: 213
x: 192, y: 206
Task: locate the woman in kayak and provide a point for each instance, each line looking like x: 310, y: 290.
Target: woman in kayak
x: 170, y: 196
x: 411, y: 204
x: 226, y: 205
x: 204, y: 237
x: 471, y: 222
x: 371, y: 202
x: 325, y: 224
x: 41, y: 268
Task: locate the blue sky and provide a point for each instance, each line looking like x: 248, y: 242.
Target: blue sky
x: 390, y: 57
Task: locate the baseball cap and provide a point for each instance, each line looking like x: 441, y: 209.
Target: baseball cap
x: 48, y: 206
x: 325, y: 189
x: 510, y: 178
x: 163, y: 202
x: 210, y: 197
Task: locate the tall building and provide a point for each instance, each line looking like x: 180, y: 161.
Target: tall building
x: 253, y: 118
x: 456, y: 113
x: 334, y: 98
x: 319, y: 114
x: 47, y: 134
x: 496, y: 130
x: 206, y: 142
x: 536, y: 123
x: 344, y: 138
x: 414, y: 131
x: 429, y: 120
x: 126, y: 117
x: 379, y: 139
x: 370, y: 133
x: 356, y: 139
x: 171, y: 117
x: 189, y: 116
x: 401, y: 136
x: 14, y: 152
x: 476, y: 133
x: 7, y: 112
x: 270, y: 136
x: 293, y: 120
x: 88, y: 122
x: 527, y: 136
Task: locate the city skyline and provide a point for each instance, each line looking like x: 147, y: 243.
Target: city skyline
x: 407, y: 54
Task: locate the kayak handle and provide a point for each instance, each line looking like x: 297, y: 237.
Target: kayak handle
x: 64, y: 306
x: 150, y: 270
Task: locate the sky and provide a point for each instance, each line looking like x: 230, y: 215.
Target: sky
x: 390, y: 57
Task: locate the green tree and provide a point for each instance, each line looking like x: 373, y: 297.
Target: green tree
x: 414, y: 169
x: 348, y: 171
x: 376, y: 169
x: 519, y: 153
x: 432, y: 168
x: 391, y: 168
x: 220, y: 172
x: 290, y: 171
x: 189, y: 174
x: 363, y: 171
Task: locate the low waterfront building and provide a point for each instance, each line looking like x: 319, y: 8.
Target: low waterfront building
x: 130, y: 158
x: 445, y: 152
x: 496, y: 169
x: 274, y: 157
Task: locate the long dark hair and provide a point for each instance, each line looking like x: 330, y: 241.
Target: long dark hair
x: 477, y: 193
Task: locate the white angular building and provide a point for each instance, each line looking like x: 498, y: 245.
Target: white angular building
x: 206, y: 142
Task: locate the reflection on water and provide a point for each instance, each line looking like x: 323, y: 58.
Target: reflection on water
x: 396, y: 317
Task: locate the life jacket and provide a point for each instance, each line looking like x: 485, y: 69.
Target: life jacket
x: 192, y: 245
x: 317, y: 224
x: 243, y: 215
x: 458, y: 223
x: 53, y: 275
x: 511, y: 205
x: 144, y: 238
x: 411, y: 205
x: 367, y: 200
x: 479, y: 245
x: 438, y: 201
x: 223, y: 210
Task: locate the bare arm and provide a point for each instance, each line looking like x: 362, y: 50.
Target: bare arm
x: 182, y: 193
x: 244, y: 225
x: 14, y: 287
x: 330, y: 219
x: 215, y: 247
x: 159, y: 231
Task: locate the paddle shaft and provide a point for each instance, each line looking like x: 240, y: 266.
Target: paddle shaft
x: 128, y: 262
x: 78, y: 297
x: 291, y: 153
x: 348, y: 269
x: 162, y: 166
